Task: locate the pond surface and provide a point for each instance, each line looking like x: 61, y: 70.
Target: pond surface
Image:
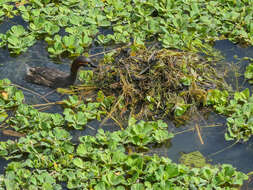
x: 210, y: 141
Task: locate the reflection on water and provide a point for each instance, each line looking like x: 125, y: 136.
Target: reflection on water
x: 239, y: 155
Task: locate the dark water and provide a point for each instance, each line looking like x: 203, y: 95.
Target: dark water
x: 240, y: 155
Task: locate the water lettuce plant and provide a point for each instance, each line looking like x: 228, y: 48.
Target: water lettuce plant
x: 239, y: 112
x: 218, y: 99
x: 7, y: 10
x: 71, y: 26
x: 28, y: 119
x: 249, y: 73
x: 239, y: 122
x: 101, y: 162
x: 17, y: 39
x: 10, y: 96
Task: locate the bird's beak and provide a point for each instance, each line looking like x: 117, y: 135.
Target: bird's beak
x: 90, y: 64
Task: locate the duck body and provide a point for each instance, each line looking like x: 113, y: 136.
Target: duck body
x: 49, y: 77
x: 55, y: 78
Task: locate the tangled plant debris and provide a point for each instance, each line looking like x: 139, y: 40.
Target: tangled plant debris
x: 157, y: 83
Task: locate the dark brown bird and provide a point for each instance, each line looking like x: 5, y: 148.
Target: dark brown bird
x: 54, y: 78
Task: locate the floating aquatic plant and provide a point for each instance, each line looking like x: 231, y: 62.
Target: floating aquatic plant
x: 47, y: 156
x: 239, y: 112
x: 176, y: 24
x: 249, y: 73
x: 101, y: 162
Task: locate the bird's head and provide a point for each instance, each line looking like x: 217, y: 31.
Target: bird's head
x: 84, y: 61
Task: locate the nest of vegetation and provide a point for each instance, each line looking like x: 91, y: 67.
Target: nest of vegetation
x: 155, y: 83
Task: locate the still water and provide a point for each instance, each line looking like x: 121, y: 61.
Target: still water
x: 212, y: 143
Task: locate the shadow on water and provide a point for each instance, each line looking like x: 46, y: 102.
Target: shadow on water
x: 240, y: 155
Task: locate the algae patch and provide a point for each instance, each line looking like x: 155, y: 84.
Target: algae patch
x: 194, y: 159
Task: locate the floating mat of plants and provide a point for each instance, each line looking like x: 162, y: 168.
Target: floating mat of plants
x: 181, y: 24
x: 45, y: 157
x: 156, y: 83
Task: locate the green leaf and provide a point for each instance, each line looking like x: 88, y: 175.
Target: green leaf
x: 137, y: 186
x: 18, y: 30
x: 61, y: 134
x: 78, y: 162
x: 14, y: 40
x: 100, y: 186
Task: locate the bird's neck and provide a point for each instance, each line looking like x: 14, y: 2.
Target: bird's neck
x: 74, y: 69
